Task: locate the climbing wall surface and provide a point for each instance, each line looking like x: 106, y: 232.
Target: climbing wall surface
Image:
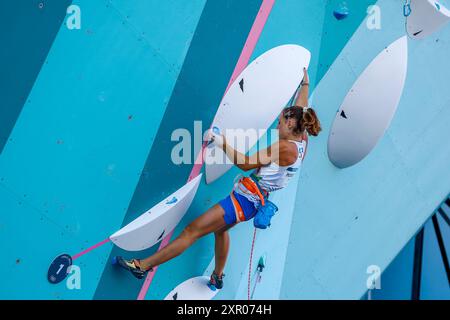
x: 215, y: 48
x: 29, y: 26
x: 87, y: 144
x: 77, y: 150
x: 397, y: 280
x: 347, y: 220
x: 283, y: 27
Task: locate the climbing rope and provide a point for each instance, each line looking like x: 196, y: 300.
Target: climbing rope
x: 407, y: 8
x: 250, y: 266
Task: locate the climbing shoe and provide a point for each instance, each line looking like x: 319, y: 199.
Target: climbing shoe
x: 131, y: 266
x: 216, y: 282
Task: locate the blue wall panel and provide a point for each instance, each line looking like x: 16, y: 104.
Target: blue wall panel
x: 78, y: 149
x: 27, y: 33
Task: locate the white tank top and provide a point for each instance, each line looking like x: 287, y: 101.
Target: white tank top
x: 275, y: 177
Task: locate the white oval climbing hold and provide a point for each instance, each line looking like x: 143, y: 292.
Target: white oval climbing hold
x: 152, y: 226
x: 193, y: 289
x: 427, y: 16
x: 369, y: 106
x: 254, y: 100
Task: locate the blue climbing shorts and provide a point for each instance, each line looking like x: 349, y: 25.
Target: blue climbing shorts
x: 247, y: 206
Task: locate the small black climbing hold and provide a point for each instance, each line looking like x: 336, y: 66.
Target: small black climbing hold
x: 417, y: 33
x: 160, y: 237
x: 175, y: 296
x: 343, y: 115
x: 241, y: 84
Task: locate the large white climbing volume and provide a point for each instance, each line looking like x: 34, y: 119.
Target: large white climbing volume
x: 427, y: 16
x: 369, y: 106
x: 193, y: 289
x: 254, y: 101
x: 152, y: 226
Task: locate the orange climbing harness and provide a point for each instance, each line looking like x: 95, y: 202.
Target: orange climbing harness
x: 237, y: 209
x: 248, y: 186
x: 252, y: 187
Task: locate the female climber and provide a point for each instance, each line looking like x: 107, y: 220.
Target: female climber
x: 272, y: 169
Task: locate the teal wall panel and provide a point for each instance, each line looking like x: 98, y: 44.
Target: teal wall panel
x: 215, y: 49
x: 336, y: 33
x: 27, y: 33
x: 78, y: 149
